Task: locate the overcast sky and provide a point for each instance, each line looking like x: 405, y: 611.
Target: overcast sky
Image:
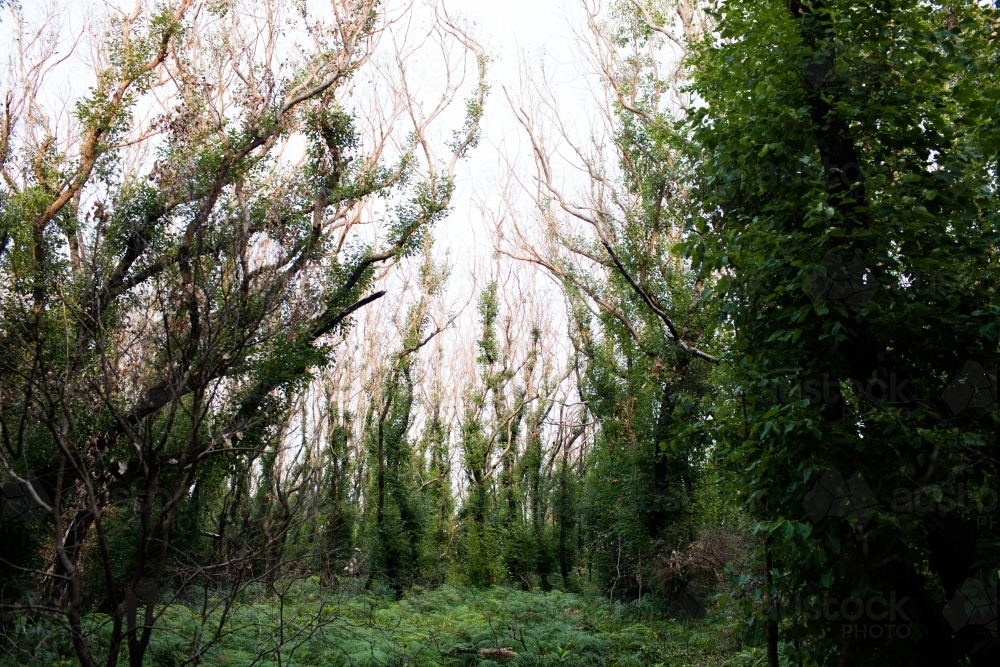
x: 516, y: 34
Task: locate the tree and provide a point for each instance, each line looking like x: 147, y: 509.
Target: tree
x: 170, y: 282
x: 437, y: 490
x: 846, y: 159
x: 400, y: 513
x: 482, y: 544
x: 637, y: 319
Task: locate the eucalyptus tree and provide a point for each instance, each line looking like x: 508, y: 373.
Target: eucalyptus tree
x: 398, y: 511
x: 847, y: 160
x: 482, y: 544
x: 436, y: 488
x: 504, y: 434
x: 640, y: 327
x: 177, y: 245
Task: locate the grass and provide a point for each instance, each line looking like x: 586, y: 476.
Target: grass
x: 310, y: 626
x: 554, y: 628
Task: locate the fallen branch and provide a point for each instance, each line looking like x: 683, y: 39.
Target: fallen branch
x: 491, y: 652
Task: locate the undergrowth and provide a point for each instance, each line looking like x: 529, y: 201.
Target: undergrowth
x: 310, y: 626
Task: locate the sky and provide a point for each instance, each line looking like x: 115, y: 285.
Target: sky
x: 517, y: 35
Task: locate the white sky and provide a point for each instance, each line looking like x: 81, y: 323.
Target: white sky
x: 517, y: 34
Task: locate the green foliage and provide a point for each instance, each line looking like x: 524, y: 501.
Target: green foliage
x: 481, y: 549
x: 399, y: 516
x: 544, y: 629
x: 853, y: 132
x: 437, y: 553
x: 155, y: 343
x: 647, y: 395
x: 338, y: 511
x: 823, y: 220
x: 562, y: 544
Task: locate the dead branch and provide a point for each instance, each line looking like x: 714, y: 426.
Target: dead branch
x: 488, y: 652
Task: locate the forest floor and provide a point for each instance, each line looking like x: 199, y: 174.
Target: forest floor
x: 448, y: 625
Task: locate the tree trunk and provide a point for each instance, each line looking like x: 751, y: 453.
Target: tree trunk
x: 771, y: 629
